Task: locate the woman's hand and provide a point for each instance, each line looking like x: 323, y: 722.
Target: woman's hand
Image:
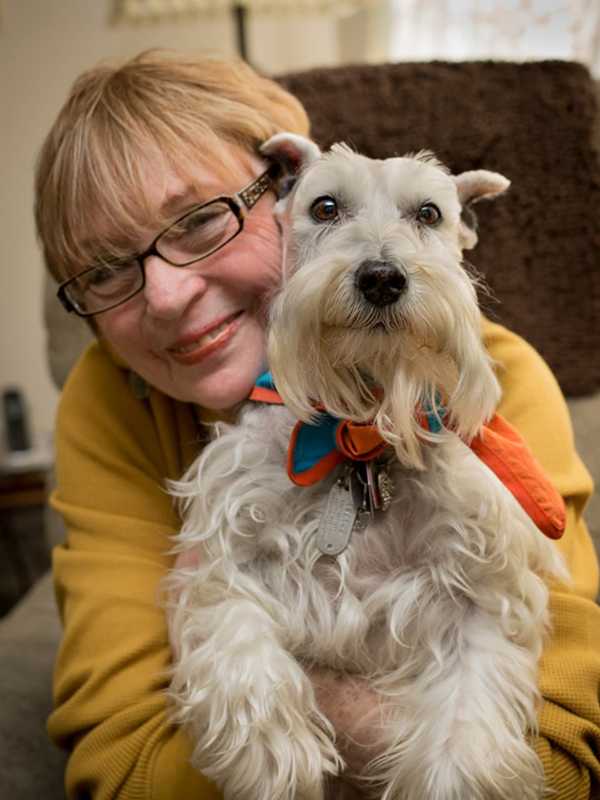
x: 188, y: 559
x: 354, y: 710
x: 348, y: 702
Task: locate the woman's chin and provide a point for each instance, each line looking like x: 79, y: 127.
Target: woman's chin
x: 227, y: 388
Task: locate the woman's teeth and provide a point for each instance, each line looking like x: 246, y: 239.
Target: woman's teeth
x: 202, y: 341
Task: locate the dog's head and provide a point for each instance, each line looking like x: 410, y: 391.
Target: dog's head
x: 375, y: 293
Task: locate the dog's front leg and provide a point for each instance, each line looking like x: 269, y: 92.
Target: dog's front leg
x: 457, y: 729
x: 247, y: 702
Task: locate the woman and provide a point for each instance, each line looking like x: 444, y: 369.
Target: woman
x: 132, y: 155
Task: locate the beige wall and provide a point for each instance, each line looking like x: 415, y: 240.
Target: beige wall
x: 44, y: 44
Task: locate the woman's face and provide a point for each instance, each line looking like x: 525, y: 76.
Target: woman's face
x: 197, y: 333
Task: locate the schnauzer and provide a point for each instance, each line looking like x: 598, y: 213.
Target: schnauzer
x: 394, y: 547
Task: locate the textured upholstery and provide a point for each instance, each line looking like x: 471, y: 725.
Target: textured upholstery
x: 31, y: 767
x: 535, y: 123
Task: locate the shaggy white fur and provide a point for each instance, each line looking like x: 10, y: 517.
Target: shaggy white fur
x: 441, y: 602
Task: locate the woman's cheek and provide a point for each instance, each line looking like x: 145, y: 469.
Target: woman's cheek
x: 120, y: 327
x: 264, y: 248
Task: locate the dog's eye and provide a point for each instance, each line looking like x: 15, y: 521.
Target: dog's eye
x: 324, y: 209
x: 429, y: 214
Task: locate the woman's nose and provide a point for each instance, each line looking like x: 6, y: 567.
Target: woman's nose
x: 169, y: 290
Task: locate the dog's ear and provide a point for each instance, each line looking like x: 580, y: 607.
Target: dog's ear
x: 473, y: 186
x: 293, y: 153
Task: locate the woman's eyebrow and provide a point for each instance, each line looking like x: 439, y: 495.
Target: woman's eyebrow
x: 178, y: 202
x: 189, y: 196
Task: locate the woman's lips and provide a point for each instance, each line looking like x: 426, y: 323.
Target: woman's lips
x: 207, y: 343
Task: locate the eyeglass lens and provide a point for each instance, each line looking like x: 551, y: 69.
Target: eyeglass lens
x: 106, y: 285
x: 193, y: 237
x: 198, y: 233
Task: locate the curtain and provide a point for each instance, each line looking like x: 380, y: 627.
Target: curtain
x: 515, y: 30
x: 140, y: 10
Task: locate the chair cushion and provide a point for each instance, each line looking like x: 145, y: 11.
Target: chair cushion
x: 31, y: 767
x: 539, y: 245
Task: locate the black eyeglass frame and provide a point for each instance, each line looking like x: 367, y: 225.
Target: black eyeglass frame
x: 240, y: 204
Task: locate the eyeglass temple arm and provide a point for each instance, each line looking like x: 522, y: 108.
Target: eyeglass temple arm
x: 62, y: 296
x: 252, y: 194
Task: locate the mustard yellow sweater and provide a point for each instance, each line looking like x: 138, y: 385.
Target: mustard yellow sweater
x: 113, y: 454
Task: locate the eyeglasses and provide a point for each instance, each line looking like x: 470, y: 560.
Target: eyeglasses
x: 198, y: 234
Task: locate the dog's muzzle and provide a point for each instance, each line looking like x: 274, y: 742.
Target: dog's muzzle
x: 380, y: 283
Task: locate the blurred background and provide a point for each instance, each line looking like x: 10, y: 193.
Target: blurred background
x: 45, y: 44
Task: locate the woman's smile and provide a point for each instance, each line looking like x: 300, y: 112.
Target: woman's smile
x: 198, y: 346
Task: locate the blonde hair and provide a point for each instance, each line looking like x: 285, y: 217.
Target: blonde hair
x: 118, y: 121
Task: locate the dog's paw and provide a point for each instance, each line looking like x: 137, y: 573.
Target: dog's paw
x: 274, y: 761
x: 469, y: 764
x: 497, y: 777
x: 265, y: 738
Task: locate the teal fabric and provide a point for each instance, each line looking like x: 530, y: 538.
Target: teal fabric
x: 314, y: 441
x: 317, y: 439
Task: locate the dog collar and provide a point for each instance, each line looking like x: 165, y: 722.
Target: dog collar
x: 316, y: 448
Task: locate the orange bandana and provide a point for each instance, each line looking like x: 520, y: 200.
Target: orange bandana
x: 317, y: 449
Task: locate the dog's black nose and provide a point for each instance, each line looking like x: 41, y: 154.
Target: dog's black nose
x: 380, y: 283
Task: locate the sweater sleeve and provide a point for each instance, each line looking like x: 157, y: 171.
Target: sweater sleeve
x: 568, y: 742
x: 111, y: 710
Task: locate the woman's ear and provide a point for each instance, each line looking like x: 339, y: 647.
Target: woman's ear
x: 473, y: 186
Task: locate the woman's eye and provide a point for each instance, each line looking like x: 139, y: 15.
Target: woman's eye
x: 429, y: 214
x: 105, y: 280
x: 100, y: 275
x: 202, y: 218
x: 110, y: 272
x: 193, y: 223
x: 324, y: 209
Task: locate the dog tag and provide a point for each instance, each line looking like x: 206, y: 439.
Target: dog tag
x: 386, y: 488
x: 342, y: 515
x: 371, y: 473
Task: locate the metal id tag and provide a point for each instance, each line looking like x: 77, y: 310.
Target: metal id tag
x: 380, y: 485
x: 340, y: 518
x: 386, y: 488
x: 375, y: 501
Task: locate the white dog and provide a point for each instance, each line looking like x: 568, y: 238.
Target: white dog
x: 418, y: 570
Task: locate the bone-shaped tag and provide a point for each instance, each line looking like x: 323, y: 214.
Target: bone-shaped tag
x: 345, y: 511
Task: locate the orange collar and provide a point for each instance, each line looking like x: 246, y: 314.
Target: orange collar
x: 315, y: 450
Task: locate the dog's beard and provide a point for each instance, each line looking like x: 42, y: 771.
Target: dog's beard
x: 327, y: 345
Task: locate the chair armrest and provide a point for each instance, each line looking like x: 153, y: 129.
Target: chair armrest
x: 31, y: 766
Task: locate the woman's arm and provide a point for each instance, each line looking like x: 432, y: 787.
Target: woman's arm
x: 569, y: 720
x: 111, y: 709
x: 568, y: 743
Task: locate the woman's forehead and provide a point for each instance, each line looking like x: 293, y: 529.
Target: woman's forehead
x: 162, y: 194
x: 179, y: 192
x: 170, y: 188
